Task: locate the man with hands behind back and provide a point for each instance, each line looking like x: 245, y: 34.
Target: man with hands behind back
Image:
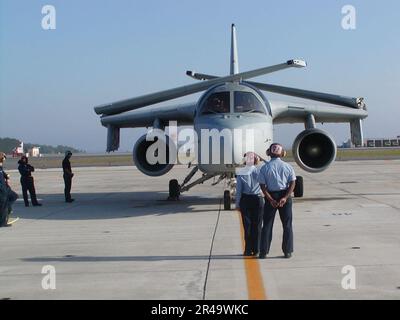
x: 277, y: 181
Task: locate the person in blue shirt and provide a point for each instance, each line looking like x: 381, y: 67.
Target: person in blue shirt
x: 250, y: 203
x: 277, y: 181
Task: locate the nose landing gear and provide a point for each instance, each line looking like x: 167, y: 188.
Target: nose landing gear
x: 175, y: 189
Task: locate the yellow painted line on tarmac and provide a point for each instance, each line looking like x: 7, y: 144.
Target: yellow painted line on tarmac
x: 255, y: 283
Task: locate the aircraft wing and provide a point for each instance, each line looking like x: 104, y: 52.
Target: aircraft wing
x: 146, y: 116
x: 287, y: 112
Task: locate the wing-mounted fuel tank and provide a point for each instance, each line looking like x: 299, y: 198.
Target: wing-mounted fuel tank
x: 314, y: 150
x: 154, y: 156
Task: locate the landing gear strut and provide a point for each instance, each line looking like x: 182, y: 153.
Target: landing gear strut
x: 175, y: 189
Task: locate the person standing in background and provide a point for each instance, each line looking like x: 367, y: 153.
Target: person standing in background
x: 67, y: 175
x: 27, y: 182
x: 7, y: 195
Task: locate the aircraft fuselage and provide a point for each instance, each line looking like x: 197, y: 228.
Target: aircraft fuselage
x: 230, y: 120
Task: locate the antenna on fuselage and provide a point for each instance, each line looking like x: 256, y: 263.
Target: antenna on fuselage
x: 234, y: 54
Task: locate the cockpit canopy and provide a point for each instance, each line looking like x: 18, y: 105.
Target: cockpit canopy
x: 240, y: 99
x: 218, y: 102
x: 247, y: 102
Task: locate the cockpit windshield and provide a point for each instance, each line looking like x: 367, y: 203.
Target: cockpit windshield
x: 218, y: 102
x: 247, y: 102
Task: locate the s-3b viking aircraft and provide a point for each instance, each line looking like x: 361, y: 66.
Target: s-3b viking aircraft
x: 234, y: 103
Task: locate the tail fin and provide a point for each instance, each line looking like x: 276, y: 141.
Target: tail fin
x: 234, y: 54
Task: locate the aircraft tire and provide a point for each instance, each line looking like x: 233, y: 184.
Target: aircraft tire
x: 174, y: 190
x: 299, y: 188
x: 227, y: 200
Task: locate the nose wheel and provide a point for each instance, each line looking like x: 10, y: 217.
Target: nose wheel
x: 174, y: 190
x: 230, y: 193
x: 227, y: 200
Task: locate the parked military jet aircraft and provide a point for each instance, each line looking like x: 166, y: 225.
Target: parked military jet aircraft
x: 231, y: 102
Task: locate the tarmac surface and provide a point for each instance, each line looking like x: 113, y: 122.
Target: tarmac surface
x: 121, y: 239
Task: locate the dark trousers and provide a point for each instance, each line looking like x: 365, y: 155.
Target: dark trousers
x: 7, y: 198
x: 285, y: 213
x: 67, y: 188
x: 251, y: 207
x: 28, y: 185
x: 4, y: 213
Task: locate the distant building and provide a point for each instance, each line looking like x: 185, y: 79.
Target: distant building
x: 34, y: 152
x: 18, y: 150
x: 383, y: 143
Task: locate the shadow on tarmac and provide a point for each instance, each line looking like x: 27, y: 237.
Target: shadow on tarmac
x: 130, y: 258
x: 73, y: 258
x: 113, y: 205
x: 116, y: 205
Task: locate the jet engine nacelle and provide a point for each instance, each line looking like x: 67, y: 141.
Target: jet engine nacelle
x: 314, y: 150
x: 145, y: 154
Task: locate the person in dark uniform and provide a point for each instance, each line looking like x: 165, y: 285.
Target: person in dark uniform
x: 27, y: 182
x: 250, y: 203
x: 277, y: 181
x: 3, y: 193
x: 7, y: 195
x: 66, y: 164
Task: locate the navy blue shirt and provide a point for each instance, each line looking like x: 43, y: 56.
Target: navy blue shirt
x: 3, y: 176
x: 25, y: 170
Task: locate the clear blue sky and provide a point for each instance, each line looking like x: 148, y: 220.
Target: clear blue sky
x: 104, y: 51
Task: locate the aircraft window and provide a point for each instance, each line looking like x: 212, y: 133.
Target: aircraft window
x: 218, y: 102
x: 247, y: 102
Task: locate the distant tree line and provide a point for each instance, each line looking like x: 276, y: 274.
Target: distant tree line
x: 8, y: 144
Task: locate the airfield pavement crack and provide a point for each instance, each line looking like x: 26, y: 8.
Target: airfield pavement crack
x: 211, y: 250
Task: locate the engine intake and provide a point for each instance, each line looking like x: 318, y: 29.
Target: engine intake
x: 314, y: 150
x: 142, y: 155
